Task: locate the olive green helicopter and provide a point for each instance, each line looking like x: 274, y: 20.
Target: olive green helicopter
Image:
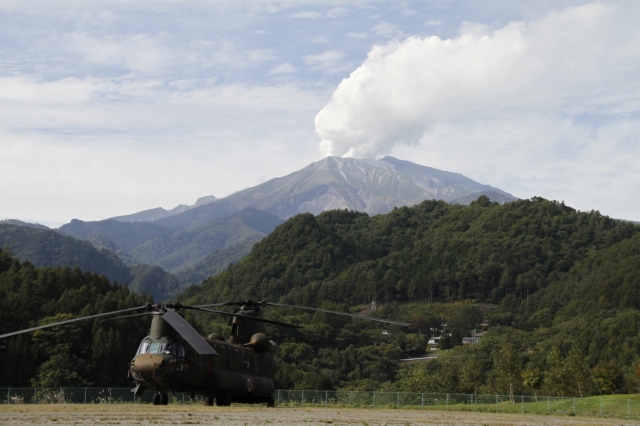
x: 174, y: 357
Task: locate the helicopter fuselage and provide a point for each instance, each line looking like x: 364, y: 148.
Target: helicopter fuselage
x: 237, y: 372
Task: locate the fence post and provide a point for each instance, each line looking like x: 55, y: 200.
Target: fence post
x: 85, y: 396
x: 600, y: 407
x: 326, y: 397
x: 278, y: 396
x: 374, y: 399
x: 35, y: 393
x: 447, y: 402
x: 302, y: 403
x: 522, y: 404
x: 628, y: 409
x: 9, y: 396
x: 574, y: 406
x: 548, y: 407
x: 496, y: 403
x: 398, y: 399
x: 350, y: 398
x: 423, y: 401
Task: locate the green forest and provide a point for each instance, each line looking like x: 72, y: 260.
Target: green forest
x: 80, y: 354
x: 46, y: 247
x: 554, y: 291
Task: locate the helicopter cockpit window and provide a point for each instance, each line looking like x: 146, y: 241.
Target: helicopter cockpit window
x: 168, y: 349
x: 154, y: 348
x: 179, y: 350
x: 144, y: 346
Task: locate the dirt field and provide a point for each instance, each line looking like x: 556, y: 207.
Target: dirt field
x: 125, y: 414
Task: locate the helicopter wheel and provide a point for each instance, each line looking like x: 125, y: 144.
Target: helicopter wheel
x: 210, y: 401
x: 165, y: 399
x: 271, y: 402
x: 223, y: 400
x: 157, y: 399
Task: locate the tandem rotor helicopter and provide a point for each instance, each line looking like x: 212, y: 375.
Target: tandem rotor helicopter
x: 174, y: 357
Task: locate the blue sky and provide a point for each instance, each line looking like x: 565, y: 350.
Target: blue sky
x: 108, y: 108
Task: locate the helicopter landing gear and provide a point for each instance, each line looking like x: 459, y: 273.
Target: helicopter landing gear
x: 223, y: 400
x: 160, y: 399
x: 271, y: 402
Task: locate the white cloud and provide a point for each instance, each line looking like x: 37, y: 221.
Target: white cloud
x: 320, y: 39
x: 358, y: 35
x: 538, y: 155
x: 307, y: 15
x: 408, y: 12
x: 557, y: 64
x: 136, y: 52
x: 99, y: 147
x: 334, y: 13
x: 328, y: 60
x: 284, y: 68
x: 386, y: 29
x: 158, y: 54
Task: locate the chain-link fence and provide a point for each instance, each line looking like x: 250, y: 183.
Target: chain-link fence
x: 592, y: 406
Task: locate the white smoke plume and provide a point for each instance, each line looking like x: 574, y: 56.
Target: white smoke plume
x: 559, y: 63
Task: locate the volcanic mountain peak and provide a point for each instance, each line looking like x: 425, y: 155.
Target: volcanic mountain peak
x: 372, y: 186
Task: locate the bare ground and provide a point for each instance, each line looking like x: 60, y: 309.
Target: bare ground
x: 132, y: 414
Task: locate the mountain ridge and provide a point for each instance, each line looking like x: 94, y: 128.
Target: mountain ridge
x: 158, y: 213
x: 371, y: 186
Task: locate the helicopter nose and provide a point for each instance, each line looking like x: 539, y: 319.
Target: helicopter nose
x: 146, y: 364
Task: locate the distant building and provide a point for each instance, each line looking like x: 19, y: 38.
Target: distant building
x: 410, y: 361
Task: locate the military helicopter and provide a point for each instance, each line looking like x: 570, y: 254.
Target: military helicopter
x: 174, y: 357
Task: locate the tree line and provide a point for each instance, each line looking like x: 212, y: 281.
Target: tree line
x: 85, y: 353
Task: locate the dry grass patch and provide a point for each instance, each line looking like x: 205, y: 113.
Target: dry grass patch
x: 246, y: 415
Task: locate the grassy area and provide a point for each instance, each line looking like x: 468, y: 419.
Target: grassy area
x: 611, y: 406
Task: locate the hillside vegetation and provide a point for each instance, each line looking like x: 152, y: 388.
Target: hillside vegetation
x: 190, y: 246
x: 556, y: 292
x: 190, y: 249
x: 45, y: 247
x: 558, y: 289
x: 430, y: 252
x: 80, y: 354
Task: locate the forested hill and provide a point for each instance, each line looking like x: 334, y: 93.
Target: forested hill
x: 562, y: 290
x: 430, y: 252
x: 80, y: 354
x: 46, y: 247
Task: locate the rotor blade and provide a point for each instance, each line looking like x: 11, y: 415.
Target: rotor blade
x: 405, y: 324
x: 247, y: 303
x: 188, y: 333
x: 126, y: 316
x: 28, y: 330
x: 282, y: 324
x: 215, y: 304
